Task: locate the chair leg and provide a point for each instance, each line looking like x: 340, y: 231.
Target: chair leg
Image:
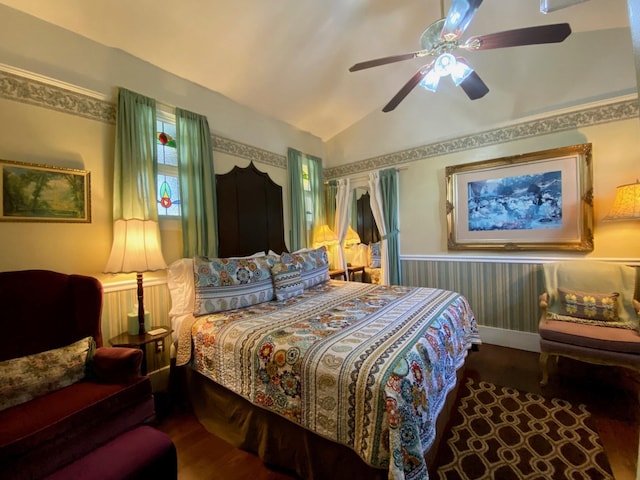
x: 544, y: 360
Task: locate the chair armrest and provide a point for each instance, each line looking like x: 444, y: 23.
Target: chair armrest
x: 116, y: 364
x: 543, y: 298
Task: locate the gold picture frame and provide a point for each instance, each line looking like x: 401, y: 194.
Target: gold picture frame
x: 535, y: 201
x: 41, y: 193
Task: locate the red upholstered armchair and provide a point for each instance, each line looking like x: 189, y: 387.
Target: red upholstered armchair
x: 50, y: 414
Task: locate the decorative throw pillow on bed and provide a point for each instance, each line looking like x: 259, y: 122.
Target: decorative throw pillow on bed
x: 314, y: 265
x: 375, y: 256
x: 224, y: 284
x: 25, y: 378
x: 590, y: 306
x: 287, y: 280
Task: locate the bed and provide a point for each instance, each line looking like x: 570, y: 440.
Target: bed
x: 325, y: 378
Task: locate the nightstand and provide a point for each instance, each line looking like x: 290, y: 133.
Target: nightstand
x: 140, y: 341
x: 354, y: 269
x: 337, y: 274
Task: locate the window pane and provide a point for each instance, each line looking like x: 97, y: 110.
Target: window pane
x: 168, y: 195
x: 306, y: 184
x: 166, y: 143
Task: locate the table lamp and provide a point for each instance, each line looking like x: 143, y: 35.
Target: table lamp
x: 323, y: 235
x: 136, y: 248
x: 626, y: 205
x: 352, y: 237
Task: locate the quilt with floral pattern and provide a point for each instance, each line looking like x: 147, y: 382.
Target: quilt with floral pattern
x: 363, y: 365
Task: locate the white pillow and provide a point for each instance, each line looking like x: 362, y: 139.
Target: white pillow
x: 358, y: 255
x: 375, y: 255
x: 181, y: 289
x: 257, y: 254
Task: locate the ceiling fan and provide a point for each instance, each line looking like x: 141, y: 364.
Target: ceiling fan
x: 443, y: 37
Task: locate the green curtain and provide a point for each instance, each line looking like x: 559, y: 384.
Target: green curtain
x: 331, y: 190
x: 389, y: 190
x: 298, y: 238
x: 135, y: 162
x: 296, y: 160
x: 316, y: 179
x: 197, y: 184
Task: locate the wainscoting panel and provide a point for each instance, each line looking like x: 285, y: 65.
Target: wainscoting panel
x: 501, y: 295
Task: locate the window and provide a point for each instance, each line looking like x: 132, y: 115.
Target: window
x: 308, y: 201
x: 167, y: 186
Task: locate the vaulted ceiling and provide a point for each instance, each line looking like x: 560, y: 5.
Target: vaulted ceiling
x: 289, y: 59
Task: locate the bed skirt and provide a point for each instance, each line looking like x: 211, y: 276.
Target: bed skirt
x: 278, y: 442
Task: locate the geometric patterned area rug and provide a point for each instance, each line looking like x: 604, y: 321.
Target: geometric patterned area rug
x: 502, y: 433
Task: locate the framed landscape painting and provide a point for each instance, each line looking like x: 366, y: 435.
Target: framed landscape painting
x: 38, y: 193
x: 535, y: 201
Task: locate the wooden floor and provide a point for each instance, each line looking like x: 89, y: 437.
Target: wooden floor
x: 611, y: 395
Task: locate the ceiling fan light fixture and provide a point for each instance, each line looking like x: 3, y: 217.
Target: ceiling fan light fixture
x: 460, y: 71
x: 431, y: 80
x: 444, y: 64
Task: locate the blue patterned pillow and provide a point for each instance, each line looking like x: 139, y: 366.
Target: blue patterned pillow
x: 225, y: 283
x: 287, y: 280
x: 375, y: 256
x: 314, y: 265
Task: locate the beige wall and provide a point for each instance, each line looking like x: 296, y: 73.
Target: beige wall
x: 39, y: 135
x: 43, y: 126
x: 44, y: 136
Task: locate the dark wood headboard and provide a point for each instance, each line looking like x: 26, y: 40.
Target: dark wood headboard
x: 367, y: 229
x: 250, y: 217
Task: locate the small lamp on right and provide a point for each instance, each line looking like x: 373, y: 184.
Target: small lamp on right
x: 352, y: 237
x: 626, y: 205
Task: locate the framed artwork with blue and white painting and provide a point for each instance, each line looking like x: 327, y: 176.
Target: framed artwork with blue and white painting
x: 535, y: 201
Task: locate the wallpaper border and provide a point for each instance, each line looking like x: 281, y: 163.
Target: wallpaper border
x: 44, y: 94
x: 40, y: 93
x: 612, y: 112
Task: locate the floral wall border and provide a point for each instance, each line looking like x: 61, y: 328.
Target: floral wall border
x: 613, y: 112
x: 42, y: 94
x: 34, y: 92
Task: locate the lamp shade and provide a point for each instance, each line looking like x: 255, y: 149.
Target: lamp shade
x: 626, y: 205
x: 352, y: 237
x: 323, y: 235
x: 136, y: 247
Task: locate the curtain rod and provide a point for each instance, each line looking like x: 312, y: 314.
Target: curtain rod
x: 366, y: 177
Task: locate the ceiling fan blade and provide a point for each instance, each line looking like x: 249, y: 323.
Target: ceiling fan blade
x: 385, y: 60
x: 474, y: 87
x: 410, y: 85
x: 460, y: 15
x: 522, y: 36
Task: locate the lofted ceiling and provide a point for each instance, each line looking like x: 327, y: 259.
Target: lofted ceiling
x: 289, y: 59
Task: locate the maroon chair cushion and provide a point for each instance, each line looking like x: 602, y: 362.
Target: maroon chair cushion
x: 611, y: 339
x: 43, y: 434
x: 115, y: 365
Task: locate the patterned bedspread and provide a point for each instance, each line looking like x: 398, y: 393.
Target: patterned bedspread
x: 364, y: 365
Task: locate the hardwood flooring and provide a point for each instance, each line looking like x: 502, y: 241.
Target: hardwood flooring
x: 611, y: 395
